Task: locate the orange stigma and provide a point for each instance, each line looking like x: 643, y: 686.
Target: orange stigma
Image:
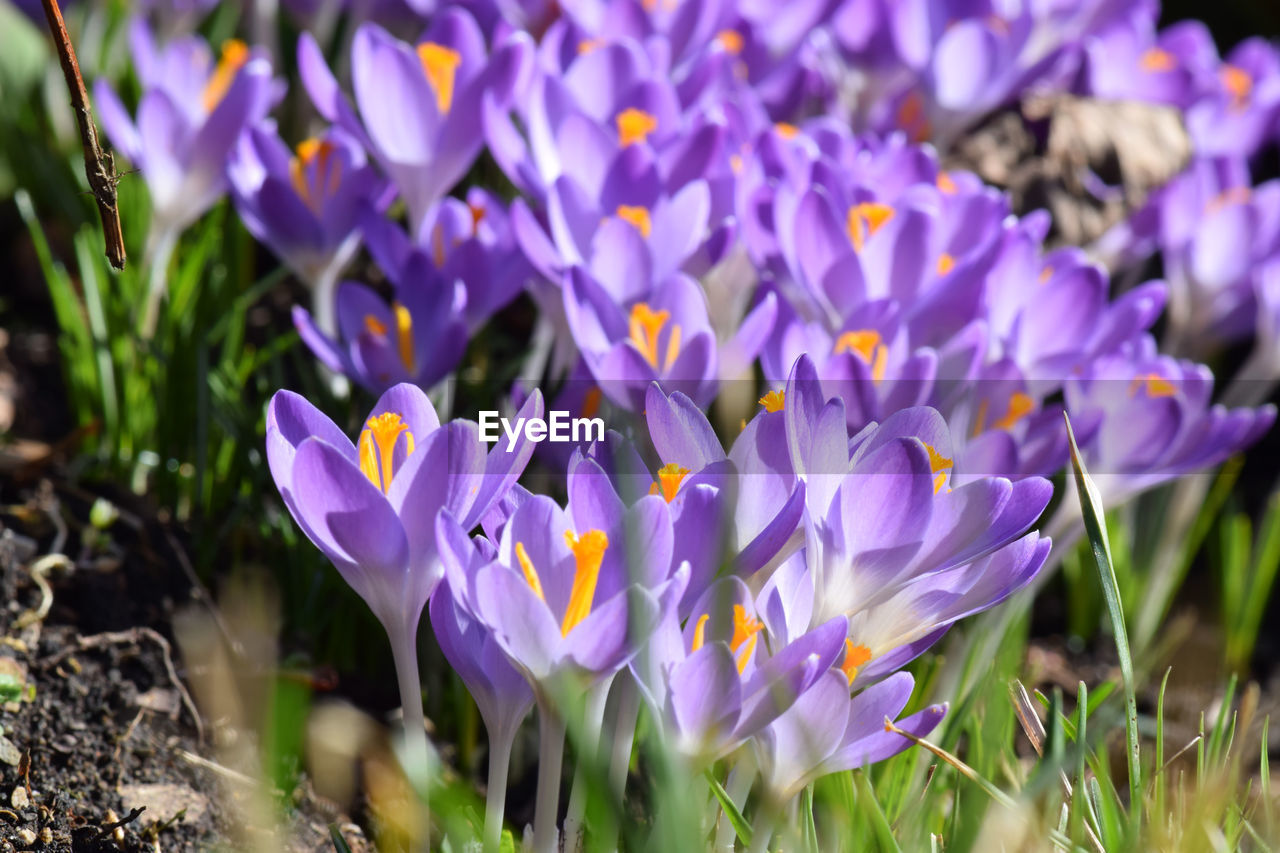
x: 235, y: 54
x: 1238, y: 83
x: 669, y: 478
x: 864, y: 220
x: 646, y: 326
x: 315, y: 172
x: 637, y: 217
x: 773, y: 401
x: 377, y: 446
x: 1156, y: 59
x: 854, y: 657
x: 867, y: 345
x: 440, y: 64
x: 1154, y: 384
x: 730, y: 41
x: 588, y: 553
x: 634, y: 126
x: 938, y: 464
x: 746, y: 629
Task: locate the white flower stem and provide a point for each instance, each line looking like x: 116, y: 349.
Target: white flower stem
x: 588, y: 746
x: 160, y: 248
x: 550, y: 759
x: 496, y: 798
x: 417, y: 756
x: 762, y: 828
x: 624, y: 735
x: 324, y: 287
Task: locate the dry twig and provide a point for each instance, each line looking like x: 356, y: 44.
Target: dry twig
x: 99, y: 165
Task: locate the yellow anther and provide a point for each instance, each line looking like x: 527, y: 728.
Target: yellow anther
x: 731, y: 41
x: 773, y: 401
x: 637, y: 217
x: 946, y: 263
x: 938, y: 464
x: 746, y: 629
x: 786, y: 130
x: 867, y: 344
x: 440, y: 64
x: 946, y: 183
x: 1228, y: 197
x: 700, y: 632
x: 235, y: 54
x: 864, y: 220
x: 854, y: 657
x: 645, y: 326
x: 375, y: 326
x: 587, y: 45
x: 530, y: 573
x: 1020, y: 405
x: 588, y: 553
x: 1238, y: 82
x: 315, y: 172
x: 1046, y: 274
x: 378, y: 444
x: 1155, y: 59
x: 478, y: 213
x: 669, y: 478
x: 634, y: 126
x: 1154, y: 384
x: 912, y: 118
x: 404, y: 335
x: 591, y: 402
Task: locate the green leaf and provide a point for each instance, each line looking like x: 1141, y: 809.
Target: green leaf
x: 736, y: 820
x: 1096, y: 527
x: 871, y: 810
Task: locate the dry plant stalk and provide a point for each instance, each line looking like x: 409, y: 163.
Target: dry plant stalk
x: 99, y: 165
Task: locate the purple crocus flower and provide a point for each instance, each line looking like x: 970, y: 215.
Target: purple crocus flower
x: 1215, y: 232
x: 192, y: 112
x: 418, y: 338
x: 892, y: 542
x: 500, y: 691
x: 1153, y: 420
x: 465, y: 240
x: 715, y: 684
x: 419, y: 105
x: 305, y: 204
x: 826, y: 731
x: 666, y: 338
x: 571, y: 598
x: 360, y: 504
x: 559, y: 599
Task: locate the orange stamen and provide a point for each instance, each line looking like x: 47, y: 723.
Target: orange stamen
x: 440, y: 64
x: 635, y: 126
x: 235, y: 54
x: 669, y: 479
x: 588, y: 553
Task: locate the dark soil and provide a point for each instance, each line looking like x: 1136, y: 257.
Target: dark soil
x: 101, y: 747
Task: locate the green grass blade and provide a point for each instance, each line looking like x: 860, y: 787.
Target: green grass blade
x: 1096, y: 528
x: 871, y: 810
x: 739, y: 823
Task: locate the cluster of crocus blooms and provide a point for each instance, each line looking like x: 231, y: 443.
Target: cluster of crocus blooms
x: 694, y: 192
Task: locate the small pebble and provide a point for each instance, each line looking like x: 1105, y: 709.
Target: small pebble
x: 46, y: 836
x: 19, y: 798
x: 26, y: 837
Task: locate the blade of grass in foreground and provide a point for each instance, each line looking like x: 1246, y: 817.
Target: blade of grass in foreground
x: 1096, y: 527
